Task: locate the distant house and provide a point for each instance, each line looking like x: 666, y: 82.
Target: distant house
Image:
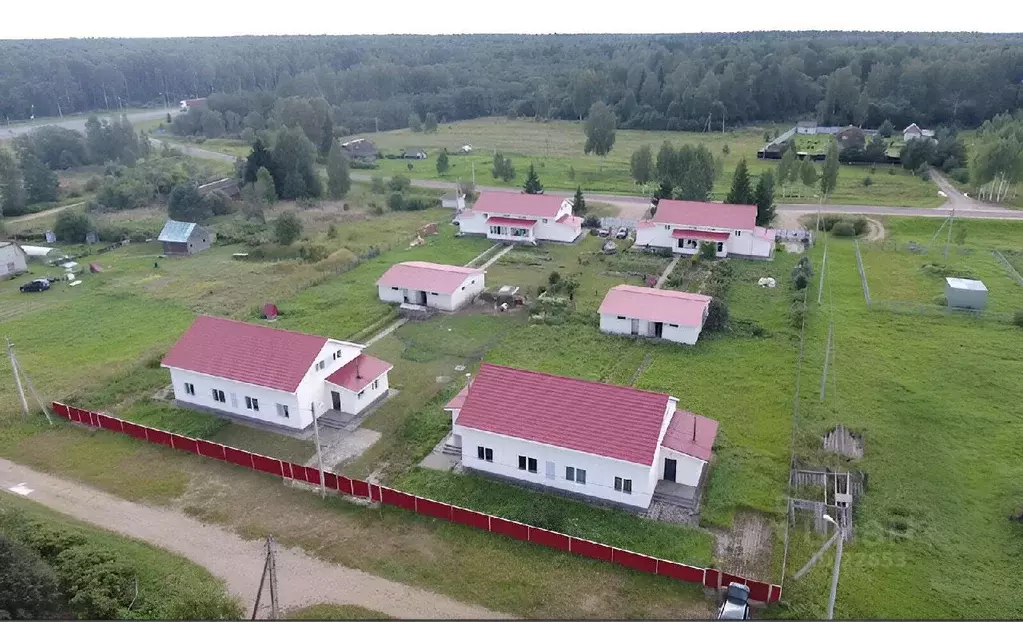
x: 226, y: 185
x: 913, y: 132
x: 520, y: 217
x: 435, y: 285
x: 189, y: 104
x: 271, y: 375
x: 13, y: 260
x: 585, y: 439
x: 361, y: 149
x: 851, y: 136
x: 453, y: 200
x: 184, y: 238
x: 806, y: 127
x: 413, y: 154
x: 683, y: 225
x: 658, y: 313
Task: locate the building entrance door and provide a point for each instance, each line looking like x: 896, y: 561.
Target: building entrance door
x: 335, y: 399
x: 669, y: 469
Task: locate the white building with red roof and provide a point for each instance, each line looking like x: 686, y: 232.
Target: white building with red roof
x: 683, y: 225
x: 657, y: 313
x: 434, y: 285
x: 271, y: 375
x: 601, y: 441
x: 521, y: 217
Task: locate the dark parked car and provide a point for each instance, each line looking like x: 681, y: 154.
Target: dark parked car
x: 736, y: 605
x: 38, y: 285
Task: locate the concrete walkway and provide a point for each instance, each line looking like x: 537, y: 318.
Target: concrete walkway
x: 303, y: 580
x: 499, y: 254
x: 667, y: 272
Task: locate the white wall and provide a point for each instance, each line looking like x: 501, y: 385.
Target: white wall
x: 391, y: 294
x: 469, y: 289
x: 610, y: 323
x: 472, y: 222
x: 551, y: 230
x: 740, y: 242
x: 688, y: 469
x: 555, y: 231
x: 350, y: 400
x: 236, y: 392
x: 600, y: 471
x: 761, y: 247
x: 11, y: 255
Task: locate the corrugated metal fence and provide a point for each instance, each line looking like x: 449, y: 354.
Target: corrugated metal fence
x: 708, y: 577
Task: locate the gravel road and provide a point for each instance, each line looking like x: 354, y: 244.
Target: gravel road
x: 303, y: 580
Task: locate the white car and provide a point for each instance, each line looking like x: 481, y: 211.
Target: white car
x: 736, y: 605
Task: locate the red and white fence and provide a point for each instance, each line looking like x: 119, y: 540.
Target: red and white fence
x: 708, y: 577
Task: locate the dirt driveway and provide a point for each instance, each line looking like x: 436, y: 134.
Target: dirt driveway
x: 303, y: 580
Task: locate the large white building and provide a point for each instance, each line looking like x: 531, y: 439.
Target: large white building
x: 12, y: 260
x: 520, y: 217
x: 658, y: 313
x: 683, y: 225
x: 434, y: 285
x: 271, y: 375
x: 588, y: 439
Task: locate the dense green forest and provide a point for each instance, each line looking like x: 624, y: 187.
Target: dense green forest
x: 675, y: 82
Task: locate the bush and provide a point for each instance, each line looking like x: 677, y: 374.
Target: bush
x: 591, y: 222
x: 287, y: 228
x: 891, y: 170
x: 961, y: 175
x: 1017, y: 318
x: 332, y: 229
x: 377, y: 184
x: 93, y: 183
x: 708, y: 250
x: 843, y: 229
x: 399, y: 183
x: 923, y: 173
x: 867, y: 182
x: 717, y: 315
x: 313, y: 252
x: 796, y: 314
x: 219, y: 203
x: 363, y: 165
x: 416, y: 204
x: 396, y: 201
x: 802, y: 273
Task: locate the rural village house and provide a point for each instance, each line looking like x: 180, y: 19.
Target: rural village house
x: 520, y: 217
x: 435, y: 285
x: 184, y: 238
x: 648, y: 312
x: 12, y: 260
x: 683, y: 225
x: 913, y: 132
x: 361, y: 149
x: 271, y: 375
x: 587, y: 439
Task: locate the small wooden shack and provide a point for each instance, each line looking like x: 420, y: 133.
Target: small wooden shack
x: 184, y: 238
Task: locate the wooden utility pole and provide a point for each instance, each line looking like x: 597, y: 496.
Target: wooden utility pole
x: 948, y: 239
x: 269, y: 572
x: 17, y: 376
x: 319, y: 455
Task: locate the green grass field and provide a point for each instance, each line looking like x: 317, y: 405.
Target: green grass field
x: 335, y: 612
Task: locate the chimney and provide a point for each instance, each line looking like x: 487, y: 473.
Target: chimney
x: 358, y: 369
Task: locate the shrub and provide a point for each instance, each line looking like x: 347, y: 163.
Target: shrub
x: 399, y: 183
x: 717, y: 315
x: 377, y: 184
x: 287, y: 228
x: 802, y: 273
x: 396, y: 201
x: 28, y: 587
x: 591, y: 222
x: 1017, y: 318
x: 961, y: 175
x: 923, y: 173
x: 867, y: 182
x: 844, y: 229
x: 93, y: 183
x: 219, y: 203
x: 708, y: 250
x: 796, y: 314
x: 415, y: 204
x: 313, y: 252
x: 332, y: 229
x: 891, y: 170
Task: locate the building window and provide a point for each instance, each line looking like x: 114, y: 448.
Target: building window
x: 361, y: 393
x: 573, y: 474
x: 218, y: 396
x: 622, y: 317
x: 545, y: 221
x: 252, y: 403
x: 667, y: 226
x: 395, y: 288
x: 527, y: 464
x: 738, y: 233
x: 282, y: 411
x: 721, y: 246
x: 485, y: 453
x: 623, y: 485
x: 496, y: 230
x: 434, y: 294
x: 376, y: 384
x: 189, y: 388
x: 673, y: 325
x: 320, y: 365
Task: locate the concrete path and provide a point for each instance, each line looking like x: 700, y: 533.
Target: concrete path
x: 303, y: 580
x: 667, y: 272
x: 390, y: 328
x: 500, y: 253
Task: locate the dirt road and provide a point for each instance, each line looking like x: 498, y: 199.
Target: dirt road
x: 79, y: 122
x: 303, y: 580
x: 42, y: 214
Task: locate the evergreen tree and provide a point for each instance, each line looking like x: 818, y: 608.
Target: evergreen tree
x: 29, y: 588
x: 579, y: 202
x: 886, y: 130
x: 339, y: 179
x: 532, y: 185
x: 829, y: 174
x: 327, y: 138
x: 259, y: 158
x: 442, y: 162
x: 808, y: 173
x: 287, y: 228
x: 264, y: 187
x: 741, y: 192
x: 763, y: 197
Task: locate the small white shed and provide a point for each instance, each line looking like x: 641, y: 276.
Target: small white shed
x: 965, y: 293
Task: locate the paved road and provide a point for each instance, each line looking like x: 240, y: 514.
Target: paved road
x: 79, y: 123
x: 303, y: 580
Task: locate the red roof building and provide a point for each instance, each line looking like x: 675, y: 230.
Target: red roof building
x: 686, y: 226
x: 519, y: 204
x: 700, y: 214
x: 520, y: 217
x: 691, y: 434
x: 656, y: 305
x: 275, y: 376
x: 582, y: 437
x: 433, y: 285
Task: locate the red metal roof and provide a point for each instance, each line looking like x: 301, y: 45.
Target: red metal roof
x: 655, y: 305
x: 698, y: 214
x: 691, y: 434
x: 426, y: 276
x: 514, y: 222
x: 591, y: 417
x: 250, y: 353
x: 695, y: 234
x: 458, y: 400
x: 518, y: 204
x: 359, y: 372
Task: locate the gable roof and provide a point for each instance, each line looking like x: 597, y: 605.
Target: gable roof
x: 699, y: 214
x: 519, y: 204
x: 602, y: 419
x: 655, y: 305
x: 691, y: 434
x: 250, y: 353
x: 357, y: 373
x: 426, y: 276
x: 176, y: 231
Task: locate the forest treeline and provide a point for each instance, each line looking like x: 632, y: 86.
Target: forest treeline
x: 674, y: 82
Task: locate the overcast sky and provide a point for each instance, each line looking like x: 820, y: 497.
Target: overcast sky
x: 25, y: 19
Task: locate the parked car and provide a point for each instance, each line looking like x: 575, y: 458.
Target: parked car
x: 603, y: 232
x: 622, y: 233
x: 736, y: 605
x: 37, y: 285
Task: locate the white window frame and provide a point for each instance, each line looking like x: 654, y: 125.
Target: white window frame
x: 219, y: 396
x: 623, y: 485
x: 282, y: 411
x: 189, y: 388
x: 252, y: 403
x: 486, y: 454
x: 376, y: 384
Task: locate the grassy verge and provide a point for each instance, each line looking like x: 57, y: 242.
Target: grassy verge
x: 324, y: 611
x: 169, y: 586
